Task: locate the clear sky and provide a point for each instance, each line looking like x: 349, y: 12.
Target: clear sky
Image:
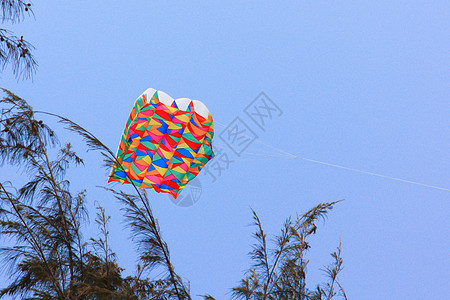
x: 363, y: 84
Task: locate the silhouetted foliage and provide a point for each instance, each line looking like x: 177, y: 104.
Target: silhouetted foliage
x: 50, y: 259
x: 280, y: 272
x: 15, y: 50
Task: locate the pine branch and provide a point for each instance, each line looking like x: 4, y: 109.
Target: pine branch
x: 248, y: 288
x: 259, y: 252
x: 14, y: 11
x: 14, y: 50
x: 18, y: 53
x: 24, y: 141
x: 299, y: 231
x: 146, y: 232
x: 142, y: 219
x: 33, y: 241
x: 332, y: 272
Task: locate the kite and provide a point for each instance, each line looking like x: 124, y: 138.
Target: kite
x: 165, y: 143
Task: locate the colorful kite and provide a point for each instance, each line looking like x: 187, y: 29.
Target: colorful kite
x: 165, y: 143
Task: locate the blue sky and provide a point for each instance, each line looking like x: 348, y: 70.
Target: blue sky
x: 361, y: 84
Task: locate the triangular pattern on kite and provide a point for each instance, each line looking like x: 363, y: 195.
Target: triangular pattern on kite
x: 165, y: 143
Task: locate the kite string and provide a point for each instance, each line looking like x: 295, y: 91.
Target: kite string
x: 373, y: 174
x: 285, y: 154
x: 268, y: 155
